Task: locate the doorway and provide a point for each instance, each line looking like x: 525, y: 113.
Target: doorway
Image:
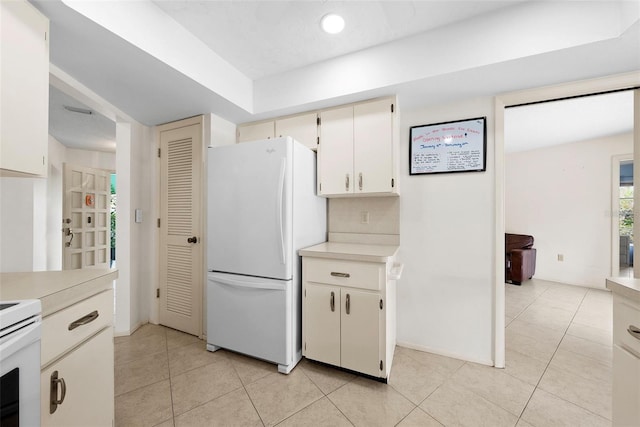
x: 84, y: 217
x: 112, y: 220
x: 577, y: 89
x: 625, y: 218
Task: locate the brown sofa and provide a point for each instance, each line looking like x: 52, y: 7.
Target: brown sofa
x: 520, y: 258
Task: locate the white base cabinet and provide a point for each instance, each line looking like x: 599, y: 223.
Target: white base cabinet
x: 626, y: 362
x: 349, y: 314
x: 77, y: 374
x: 87, y: 375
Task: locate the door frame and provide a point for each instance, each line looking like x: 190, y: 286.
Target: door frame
x: 615, y: 205
x: 203, y: 121
x: 66, y: 207
x: 548, y: 93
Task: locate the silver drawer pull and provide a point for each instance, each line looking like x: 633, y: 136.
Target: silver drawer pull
x: 634, y: 331
x: 336, y: 274
x: 84, y: 320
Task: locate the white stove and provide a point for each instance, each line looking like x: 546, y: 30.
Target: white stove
x: 20, y: 329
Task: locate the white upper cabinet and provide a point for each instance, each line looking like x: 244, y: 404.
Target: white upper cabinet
x: 255, y: 131
x: 357, y: 145
x: 335, y: 154
x: 24, y: 71
x: 303, y: 128
x: 357, y: 151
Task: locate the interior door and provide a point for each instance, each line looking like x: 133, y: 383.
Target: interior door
x: 181, y: 229
x: 85, y: 218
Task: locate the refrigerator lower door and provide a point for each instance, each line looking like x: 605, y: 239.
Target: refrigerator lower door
x: 252, y: 316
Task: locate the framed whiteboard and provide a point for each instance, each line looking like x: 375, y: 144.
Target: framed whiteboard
x: 457, y: 146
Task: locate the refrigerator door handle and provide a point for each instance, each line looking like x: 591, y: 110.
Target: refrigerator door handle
x: 243, y: 284
x: 280, y: 210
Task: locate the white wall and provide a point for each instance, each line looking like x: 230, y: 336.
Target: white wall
x: 143, y: 235
x: 56, y: 156
x: 17, y: 227
x: 447, y: 221
x: 562, y: 196
x: 31, y: 211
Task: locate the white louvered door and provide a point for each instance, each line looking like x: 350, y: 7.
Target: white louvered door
x: 181, y: 229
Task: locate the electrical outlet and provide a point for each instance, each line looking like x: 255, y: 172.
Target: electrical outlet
x: 364, y: 217
x: 560, y: 257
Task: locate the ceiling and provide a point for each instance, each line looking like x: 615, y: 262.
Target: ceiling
x: 578, y: 119
x: 159, y: 61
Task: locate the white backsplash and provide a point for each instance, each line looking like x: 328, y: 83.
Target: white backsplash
x: 346, y: 219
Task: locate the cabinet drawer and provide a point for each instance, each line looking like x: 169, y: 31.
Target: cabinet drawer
x: 57, y: 337
x: 364, y: 275
x: 626, y: 317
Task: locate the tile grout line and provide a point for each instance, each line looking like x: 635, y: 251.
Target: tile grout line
x: 436, y: 389
x: 305, y: 407
x: 564, y: 334
x: 166, y: 344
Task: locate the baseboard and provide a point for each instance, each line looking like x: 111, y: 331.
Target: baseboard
x: 411, y: 346
x: 129, y: 331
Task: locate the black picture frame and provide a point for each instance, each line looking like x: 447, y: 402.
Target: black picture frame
x: 448, y: 147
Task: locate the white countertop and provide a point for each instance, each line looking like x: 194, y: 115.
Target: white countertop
x: 56, y: 289
x: 625, y: 286
x: 351, y: 251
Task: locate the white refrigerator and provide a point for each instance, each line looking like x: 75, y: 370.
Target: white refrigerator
x: 261, y: 209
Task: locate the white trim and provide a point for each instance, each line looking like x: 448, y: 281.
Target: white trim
x: 498, y: 290
x: 584, y: 87
x: 615, y: 205
x: 444, y: 353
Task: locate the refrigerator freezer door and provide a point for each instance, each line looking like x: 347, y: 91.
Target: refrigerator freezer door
x: 249, y: 208
x: 249, y: 315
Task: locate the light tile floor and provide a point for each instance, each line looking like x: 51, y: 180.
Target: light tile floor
x: 558, y: 373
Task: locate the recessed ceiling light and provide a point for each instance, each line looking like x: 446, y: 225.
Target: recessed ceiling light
x: 332, y: 23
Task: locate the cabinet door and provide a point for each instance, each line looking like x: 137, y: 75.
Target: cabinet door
x: 322, y: 323
x: 335, y: 152
x: 24, y: 72
x: 303, y: 129
x: 626, y: 388
x: 88, y: 376
x: 360, y: 332
x: 373, y: 147
x: 252, y: 132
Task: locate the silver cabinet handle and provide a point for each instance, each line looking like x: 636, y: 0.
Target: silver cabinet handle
x: 347, y: 305
x: 53, y: 392
x: 634, y: 331
x: 84, y: 320
x: 346, y: 182
x: 336, y: 274
x: 332, y: 301
x: 360, y: 181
